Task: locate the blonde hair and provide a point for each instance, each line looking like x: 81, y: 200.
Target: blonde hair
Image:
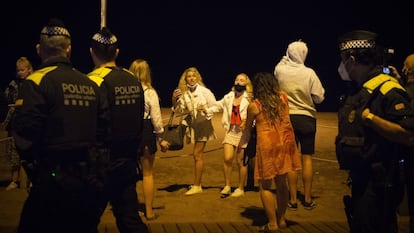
x: 249, y: 86
x: 182, y: 84
x: 142, y: 71
x: 25, y: 61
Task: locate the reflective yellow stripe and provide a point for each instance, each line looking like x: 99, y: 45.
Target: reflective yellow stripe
x: 38, y: 75
x: 98, y: 74
x: 390, y: 83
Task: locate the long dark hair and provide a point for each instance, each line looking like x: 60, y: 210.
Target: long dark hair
x: 266, y: 90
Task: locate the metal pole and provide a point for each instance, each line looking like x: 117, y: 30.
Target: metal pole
x: 103, y: 13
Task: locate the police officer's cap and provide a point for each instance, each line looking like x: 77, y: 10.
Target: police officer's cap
x: 358, y: 39
x: 55, y: 27
x: 105, y: 37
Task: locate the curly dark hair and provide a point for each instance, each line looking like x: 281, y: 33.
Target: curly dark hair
x: 266, y: 90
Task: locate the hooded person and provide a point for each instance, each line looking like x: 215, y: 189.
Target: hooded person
x: 304, y: 90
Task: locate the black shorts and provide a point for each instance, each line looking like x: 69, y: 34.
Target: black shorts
x: 305, y: 130
x: 149, y: 139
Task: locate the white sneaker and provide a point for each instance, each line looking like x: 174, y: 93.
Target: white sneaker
x: 194, y: 190
x: 226, y: 190
x: 12, y: 185
x: 237, y: 193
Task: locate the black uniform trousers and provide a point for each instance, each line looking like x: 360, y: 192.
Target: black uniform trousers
x: 121, y: 193
x: 65, y: 198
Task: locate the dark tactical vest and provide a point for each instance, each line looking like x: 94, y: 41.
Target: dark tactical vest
x: 350, y: 146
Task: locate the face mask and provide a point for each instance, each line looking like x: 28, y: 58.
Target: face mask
x: 192, y: 86
x: 239, y: 88
x: 343, y: 72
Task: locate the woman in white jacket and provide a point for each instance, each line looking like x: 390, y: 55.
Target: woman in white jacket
x: 234, y: 107
x: 190, y: 97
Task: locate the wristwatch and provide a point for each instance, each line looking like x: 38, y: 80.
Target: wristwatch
x: 369, y: 116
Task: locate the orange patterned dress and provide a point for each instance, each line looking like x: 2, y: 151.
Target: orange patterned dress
x: 276, y: 149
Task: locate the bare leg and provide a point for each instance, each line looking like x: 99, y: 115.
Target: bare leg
x: 147, y: 162
x: 293, y: 186
x: 282, y: 195
x: 198, y: 162
x: 307, y: 176
x: 228, y: 163
x: 269, y: 203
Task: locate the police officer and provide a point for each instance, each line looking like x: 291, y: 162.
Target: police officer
x: 126, y: 107
x: 387, y: 122
x: 54, y: 126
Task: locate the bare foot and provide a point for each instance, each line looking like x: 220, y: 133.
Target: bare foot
x: 282, y: 223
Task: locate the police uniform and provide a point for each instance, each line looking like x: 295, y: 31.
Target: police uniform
x: 54, y: 127
x: 126, y: 112
x: 376, y: 179
x: 380, y: 178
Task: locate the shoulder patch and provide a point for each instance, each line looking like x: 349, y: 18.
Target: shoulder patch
x: 98, y: 75
x: 38, y: 75
x: 390, y: 85
x: 388, y: 82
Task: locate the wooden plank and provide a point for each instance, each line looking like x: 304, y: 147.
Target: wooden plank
x: 227, y: 227
x: 309, y: 227
x: 185, y: 228
x: 299, y: 228
x: 287, y: 230
x: 243, y: 228
x: 324, y: 226
x: 156, y: 228
x: 339, y: 227
x: 213, y: 228
x: 199, y: 228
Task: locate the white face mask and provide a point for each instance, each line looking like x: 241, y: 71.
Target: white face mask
x: 192, y: 86
x: 343, y: 72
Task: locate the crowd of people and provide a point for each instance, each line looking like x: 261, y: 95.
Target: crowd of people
x: 81, y: 137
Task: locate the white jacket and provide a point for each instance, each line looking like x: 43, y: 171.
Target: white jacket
x: 190, y: 101
x: 225, y: 105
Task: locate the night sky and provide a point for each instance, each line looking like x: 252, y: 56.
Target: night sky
x: 221, y: 40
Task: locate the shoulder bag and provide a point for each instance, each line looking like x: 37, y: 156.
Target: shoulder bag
x: 174, y: 133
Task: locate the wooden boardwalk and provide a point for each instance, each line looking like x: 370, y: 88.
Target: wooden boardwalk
x: 207, y: 212
x: 240, y: 227
x: 244, y: 227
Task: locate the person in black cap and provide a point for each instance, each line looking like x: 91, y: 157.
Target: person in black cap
x: 126, y: 112
x: 54, y: 126
x: 380, y: 107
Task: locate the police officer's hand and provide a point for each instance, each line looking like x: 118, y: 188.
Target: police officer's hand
x: 394, y: 72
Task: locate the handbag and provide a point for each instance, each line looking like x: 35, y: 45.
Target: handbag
x: 174, y: 134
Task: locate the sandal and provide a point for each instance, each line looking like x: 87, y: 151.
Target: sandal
x: 309, y: 205
x: 265, y: 229
x: 292, y: 206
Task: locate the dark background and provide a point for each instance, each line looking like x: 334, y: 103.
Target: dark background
x: 221, y: 39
